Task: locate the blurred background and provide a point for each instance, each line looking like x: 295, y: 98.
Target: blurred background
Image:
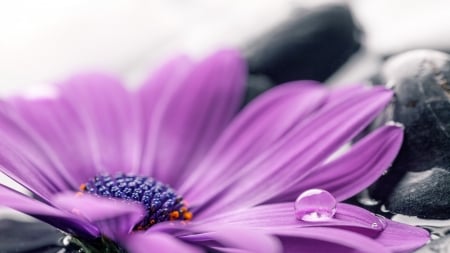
x: 44, y: 41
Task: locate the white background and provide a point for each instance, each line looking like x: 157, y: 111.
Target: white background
x: 43, y: 41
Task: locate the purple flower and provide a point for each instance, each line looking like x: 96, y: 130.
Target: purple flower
x: 181, y: 171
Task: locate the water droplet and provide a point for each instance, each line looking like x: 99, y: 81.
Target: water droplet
x: 380, y: 223
x: 315, y: 205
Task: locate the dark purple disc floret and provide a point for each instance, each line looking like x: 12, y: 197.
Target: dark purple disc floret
x: 161, y: 202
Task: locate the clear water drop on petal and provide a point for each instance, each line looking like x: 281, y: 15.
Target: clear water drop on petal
x: 315, y: 205
x: 380, y: 223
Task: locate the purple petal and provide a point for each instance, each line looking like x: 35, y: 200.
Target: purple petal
x: 254, y: 130
x: 58, y: 218
x: 402, y: 238
x: 26, y: 156
x: 192, y: 115
x: 114, y: 218
x: 157, y: 242
x: 298, y: 152
x: 152, y: 96
x: 23, y: 171
x: 231, y: 239
x: 223, y: 237
x: 63, y: 141
x: 276, y: 217
x: 107, y: 121
x: 321, y: 239
x: 297, y: 244
x: 356, y: 169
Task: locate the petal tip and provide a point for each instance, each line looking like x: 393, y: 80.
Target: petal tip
x: 227, y: 55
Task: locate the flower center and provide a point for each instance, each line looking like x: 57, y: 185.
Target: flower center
x: 161, y: 202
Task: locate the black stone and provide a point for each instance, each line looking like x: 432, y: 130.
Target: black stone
x: 311, y: 45
x: 425, y: 194
x: 257, y: 84
x: 27, y: 237
x: 418, y: 181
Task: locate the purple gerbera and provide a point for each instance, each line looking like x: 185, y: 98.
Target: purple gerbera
x: 172, y: 167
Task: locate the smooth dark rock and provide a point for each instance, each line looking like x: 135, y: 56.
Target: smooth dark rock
x: 257, y: 84
x: 312, y: 45
x: 425, y: 194
x: 420, y: 80
x: 28, y: 237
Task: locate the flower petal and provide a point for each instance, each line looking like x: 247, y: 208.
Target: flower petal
x: 402, y: 238
x: 296, y: 154
x: 322, y: 239
x: 233, y: 239
x: 293, y: 244
x: 226, y: 238
x: 275, y: 217
x: 89, y: 127
x: 278, y: 218
x: 108, y: 123
x: 26, y: 156
x: 60, y: 219
x: 356, y: 169
x: 114, y: 218
x: 157, y: 242
x: 152, y: 96
x: 253, y: 130
x: 194, y: 113
x: 23, y: 171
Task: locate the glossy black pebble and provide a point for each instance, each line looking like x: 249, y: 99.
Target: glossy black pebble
x: 23, y: 237
x: 420, y: 80
x: 312, y: 44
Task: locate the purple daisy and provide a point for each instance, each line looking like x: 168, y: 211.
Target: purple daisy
x: 173, y: 166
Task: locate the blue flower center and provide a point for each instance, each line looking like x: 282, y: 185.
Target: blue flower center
x: 161, y: 202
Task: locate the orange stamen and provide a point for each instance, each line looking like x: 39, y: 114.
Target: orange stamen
x: 83, y: 187
x: 187, y: 216
x: 174, y: 215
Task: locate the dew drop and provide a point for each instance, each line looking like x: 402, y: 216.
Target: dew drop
x: 380, y: 223
x: 315, y: 205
